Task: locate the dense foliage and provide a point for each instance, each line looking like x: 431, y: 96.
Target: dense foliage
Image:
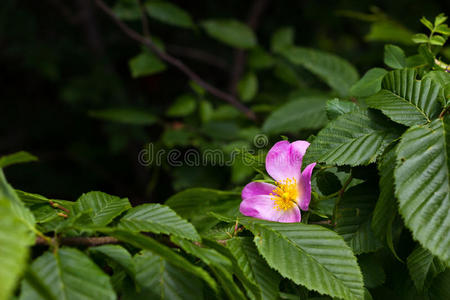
x: 378, y: 223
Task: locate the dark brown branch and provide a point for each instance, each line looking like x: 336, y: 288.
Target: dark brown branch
x: 80, y: 241
x: 175, y: 62
x: 443, y: 112
x: 240, y: 56
x: 199, y: 55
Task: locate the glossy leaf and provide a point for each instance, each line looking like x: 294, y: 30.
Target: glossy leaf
x: 338, y: 73
x: 422, y: 185
x: 230, y: 32
x: 406, y: 100
x: 298, y: 114
x: 292, y: 248
x: 394, y: 57
x: 16, y: 158
x: 169, y: 13
x: 158, y: 218
x: 101, y: 207
x: 369, y: 84
x: 118, y: 254
x: 69, y: 274
x: 355, y: 138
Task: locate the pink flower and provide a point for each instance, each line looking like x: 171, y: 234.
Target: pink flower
x: 281, y: 202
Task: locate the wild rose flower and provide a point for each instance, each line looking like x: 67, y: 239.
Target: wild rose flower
x: 281, y: 202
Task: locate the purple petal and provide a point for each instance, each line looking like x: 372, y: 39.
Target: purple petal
x: 305, y: 187
x: 284, y: 160
x: 257, y: 188
x: 262, y: 207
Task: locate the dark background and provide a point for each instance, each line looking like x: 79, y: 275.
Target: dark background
x: 61, y: 59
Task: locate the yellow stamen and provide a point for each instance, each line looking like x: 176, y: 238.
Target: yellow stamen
x: 285, y: 195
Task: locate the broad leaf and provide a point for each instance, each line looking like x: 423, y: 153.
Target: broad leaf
x: 158, y: 218
x: 310, y: 255
x: 16, y: 158
x: 369, y: 84
x: 406, y: 100
x: 184, y: 105
x: 145, y: 64
x: 248, y: 87
x: 299, y: 114
x: 169, y: 13
x: 118, y: 254
x: 159, y: 279
x: 355, y: 138
x: 338, y: 73
x: 14, y: 242
x: 194, y: 205
x: 394, y: 57
x: 386, y: 207
x: 70, y: 275
x: 354, y: 216
x: 372, y: 271
x: 422, y: 185
x: 336, y: 107
x: 101, y: 207
x: 440, y: 287
x: 281, y: 39
x: 131, y: 116
x: 423, y: 266
x: 254, y: 267
x: 230, y: 32
x: 147, y: 243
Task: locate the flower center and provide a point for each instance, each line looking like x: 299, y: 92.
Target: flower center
x: 285, y: 194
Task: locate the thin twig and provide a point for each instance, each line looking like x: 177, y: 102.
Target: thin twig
x: 443, y: 112
x: 199, y: 55
x: 79, y: 241
x: 145, y: 26
x: 175, y: 62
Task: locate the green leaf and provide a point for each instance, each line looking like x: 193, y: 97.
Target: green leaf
x: 338, y: 73
x: 355, y: 138
x: 372, y: 271
x: 369, y: 84
x: 194, y: 205
x: 441, y: 18
x: 144, y: 242
x: 159, y: 279
x: 406, y: 100
x: 101, y: 207
x: 16, y: 158
x: 389, y: 31
x: 336, y: 107
x: 422, y: 185
x: 30, y: 198
x: 169, y: 13
x: 394, y: 57
x: 386, y: 207
x: 259, y: 59
x: 145, y: 64
x: 310, y: 255
x: 440, y: 287
x: 230, y: 32
x: 281, y: 39
x: 158, y: 218
x: 14, y: 242
x: 423, y: 266
x: 184, y: 105
x: 443, y: 29
x: 127, y: 10
x: 353, y: 219
x: 298, y: 114
x: 131, y: 116
x: 248, y: 87
x: 118, y: 254
x: 69, y: 274
x: 437, y: 40
x: 420, y: 38
x: 427, y: 23
x: 254, y: 267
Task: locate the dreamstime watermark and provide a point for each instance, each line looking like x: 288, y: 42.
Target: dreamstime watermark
x: 207, y: 157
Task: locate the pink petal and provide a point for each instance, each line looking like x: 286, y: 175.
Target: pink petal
x: 257, y: 188
x: 305, y: 187
x: 284, y: 160
x: 262, y: 207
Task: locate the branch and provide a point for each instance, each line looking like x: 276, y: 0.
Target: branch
x: 199, y: 55
x: 240, y: 56
x: 175, y: 62
x: 79, y: 241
